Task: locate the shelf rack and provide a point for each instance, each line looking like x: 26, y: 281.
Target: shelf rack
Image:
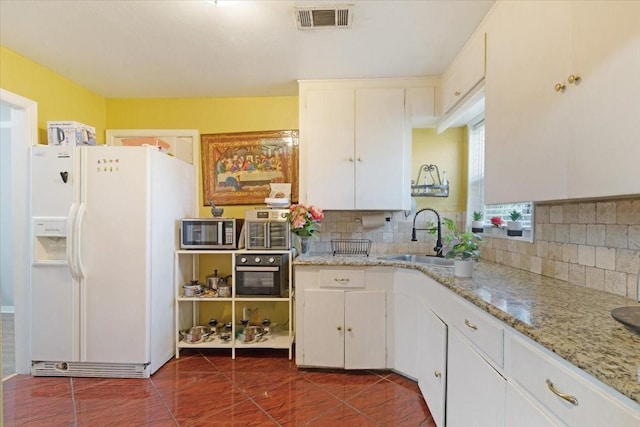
x: 433, y: 185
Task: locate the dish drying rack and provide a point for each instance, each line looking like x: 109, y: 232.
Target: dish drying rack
x: 433, y: 186
x: 350, y: 246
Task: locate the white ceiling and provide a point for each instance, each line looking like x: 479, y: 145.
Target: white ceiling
x: 195, y: 48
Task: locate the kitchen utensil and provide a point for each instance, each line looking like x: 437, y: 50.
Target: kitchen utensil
x: 216, y: 212
x: 224, y: 291
x: 192, y: 289
x: 195, y: 333
x: 213, y: 281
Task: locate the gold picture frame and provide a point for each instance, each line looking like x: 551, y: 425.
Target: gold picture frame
x: 237, y: 168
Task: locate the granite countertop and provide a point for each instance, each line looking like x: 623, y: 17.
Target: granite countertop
x: 572, y: 321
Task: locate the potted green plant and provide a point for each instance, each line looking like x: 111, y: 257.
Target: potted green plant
x: 462, y: 248
x: 514, y: 226
x: 477, y: 225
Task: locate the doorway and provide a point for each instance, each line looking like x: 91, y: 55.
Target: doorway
x: 18, y: 131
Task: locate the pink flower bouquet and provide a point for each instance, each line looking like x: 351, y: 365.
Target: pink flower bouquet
x: 305, y: 220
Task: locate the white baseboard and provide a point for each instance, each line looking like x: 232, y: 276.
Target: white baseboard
x: 7, y: 309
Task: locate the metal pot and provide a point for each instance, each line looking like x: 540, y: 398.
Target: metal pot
x: 193, y: 289
x: 195, y: 333
x: 224, y: 291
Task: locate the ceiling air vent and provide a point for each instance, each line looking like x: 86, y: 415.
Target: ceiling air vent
x: 308, y: 18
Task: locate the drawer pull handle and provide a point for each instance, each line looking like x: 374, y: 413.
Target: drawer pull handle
x: 339, y: 328
x: 569, y: 398
x: 471, y: 325
x: 341, y: 281
x: 437, y: 374
x: 348, y: 329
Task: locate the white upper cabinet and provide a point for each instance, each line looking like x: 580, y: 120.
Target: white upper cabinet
x: 464, y: 73
x: 605, y: 152
x: 561, y: 97
x: 355, y: 142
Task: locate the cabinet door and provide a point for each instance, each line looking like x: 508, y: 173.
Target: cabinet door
x: 365, y: 326
x: 606, y: 55
x: 323, y: 328
x: 475, y: 391
x: 465, y: 72
x: 406, y: 332
x: 522, y: 412
x: 382, y: 149
x: 328, y: 135
x: 527, y: 137
x: 432, y: 367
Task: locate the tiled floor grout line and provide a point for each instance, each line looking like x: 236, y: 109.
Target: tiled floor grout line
x: 73, y: 402
x: 164, y: 401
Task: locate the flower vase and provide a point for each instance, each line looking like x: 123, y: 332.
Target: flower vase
x: 305, y: 245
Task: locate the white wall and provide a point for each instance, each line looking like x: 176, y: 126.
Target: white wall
x: 6, y: 233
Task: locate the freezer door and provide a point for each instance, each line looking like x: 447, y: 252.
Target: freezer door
x: 54, y: 294
x: 51, y: 195
x: 114, y: 230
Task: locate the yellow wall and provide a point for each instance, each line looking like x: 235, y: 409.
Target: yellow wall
x: 207, y: 115
x: 58, y: 98
x: 448, y: 151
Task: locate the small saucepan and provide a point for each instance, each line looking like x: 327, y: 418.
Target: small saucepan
x: 195, y: 333
x: 192, y: 289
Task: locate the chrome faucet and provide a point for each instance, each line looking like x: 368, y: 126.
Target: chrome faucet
x: 438, y: 247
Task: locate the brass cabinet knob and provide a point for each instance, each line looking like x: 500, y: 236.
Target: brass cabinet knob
x: 351, y: 159
x: 573, y: 79
x: 348, y: 329
x: 560, y: 87
x: 457, y: 93
x: 339, y: 328
x: 437, y: 374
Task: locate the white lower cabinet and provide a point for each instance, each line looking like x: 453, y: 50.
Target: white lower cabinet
x: 472, y: 369
x: 344, y: 329
x: 522, y: 412
x: 432, y: 367
x: 564, y: 391
x: 475, y: 390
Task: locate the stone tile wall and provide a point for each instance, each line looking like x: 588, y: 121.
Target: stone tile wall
x: 392, y: 238
x: 594, y: 244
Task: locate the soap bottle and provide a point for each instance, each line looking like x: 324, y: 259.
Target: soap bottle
x: 444, y: 179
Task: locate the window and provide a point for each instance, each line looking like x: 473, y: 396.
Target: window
x: 475, y: 194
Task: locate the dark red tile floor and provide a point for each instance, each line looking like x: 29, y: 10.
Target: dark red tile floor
x: 208, y: 388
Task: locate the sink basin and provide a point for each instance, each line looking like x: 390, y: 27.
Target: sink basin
x: 423, y: 259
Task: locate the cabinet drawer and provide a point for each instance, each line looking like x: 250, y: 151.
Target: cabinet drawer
x: 341, y: 278
x: 477, y: 327
x: 537, y: 373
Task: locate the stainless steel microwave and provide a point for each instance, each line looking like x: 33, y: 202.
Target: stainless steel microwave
x: 208, y: 233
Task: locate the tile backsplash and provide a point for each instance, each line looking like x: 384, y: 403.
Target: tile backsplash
x: 594, y: 244
x: 392, y: 238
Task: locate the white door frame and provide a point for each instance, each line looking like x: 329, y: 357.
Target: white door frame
x: 20, y: 220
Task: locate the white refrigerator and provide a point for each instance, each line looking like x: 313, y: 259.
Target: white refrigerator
x: 105, y: 225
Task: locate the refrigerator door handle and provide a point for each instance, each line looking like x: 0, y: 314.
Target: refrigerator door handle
x: 78, y: 240
x: 71, y: 244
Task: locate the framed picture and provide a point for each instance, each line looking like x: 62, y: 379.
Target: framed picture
x: 237, y: 168
x: 181, y: 143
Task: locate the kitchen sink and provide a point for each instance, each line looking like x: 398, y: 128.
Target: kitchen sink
x: 423, y: 259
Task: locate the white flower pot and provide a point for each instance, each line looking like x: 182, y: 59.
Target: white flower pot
x: 477, y: 226
x: 514, y: 228
x: 463, y: 268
